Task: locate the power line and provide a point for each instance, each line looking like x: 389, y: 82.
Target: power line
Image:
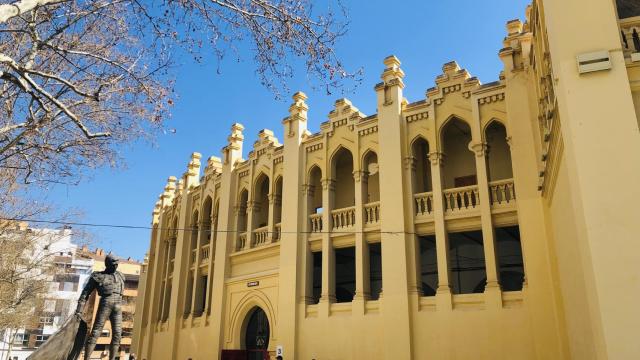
x: 139, y: 227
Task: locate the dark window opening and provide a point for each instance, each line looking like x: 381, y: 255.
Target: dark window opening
x: 375, y: 270
x: 345, y: 274
x: 428, y: 265
x: 316, y: 276
x: 628, y: 8
x: 466, y: 261
x: 510, y: 263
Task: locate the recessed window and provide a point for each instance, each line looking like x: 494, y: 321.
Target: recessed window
x: 466, y: 262
x: 375, y: 270
x: 509, y: 252
x: 316, y: 277
x: 428, y: 265
x: 345, y: 274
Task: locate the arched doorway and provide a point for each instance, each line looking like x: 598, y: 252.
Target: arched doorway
x: 256, y: 338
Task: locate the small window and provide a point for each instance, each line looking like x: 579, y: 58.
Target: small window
x: 316, y: 280
x: 510, y: 263
x: 466, y: 261
x: 345, y: 274
x: 428, y: 265
x: 375, y: 270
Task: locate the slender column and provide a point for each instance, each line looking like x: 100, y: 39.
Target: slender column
x: 197, y: 287
x: 414, y: 275
x: 307, y: 196
x: 270, y: 221
x: 480, y: 149
x: 328, y: 264
x: 442, y: 240
x: 212, y: 254
x: 362, y: 255
x: 251, y: 208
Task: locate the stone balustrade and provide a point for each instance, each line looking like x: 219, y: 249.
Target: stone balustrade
x: 242, y: 241
x: 277, y: 231
x: 315, y: 222
x: 260, y: 236
x: 371, y: 213
x: 502, y: 192
x: 461, y: 199
x: 343, y: 218
x: 424, y: 203
x: 204, y: 253
x: 630, y: 33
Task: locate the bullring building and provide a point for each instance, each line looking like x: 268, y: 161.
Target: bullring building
x: 483, y: 221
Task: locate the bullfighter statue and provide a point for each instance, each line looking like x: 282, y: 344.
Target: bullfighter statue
x: 110, y: 286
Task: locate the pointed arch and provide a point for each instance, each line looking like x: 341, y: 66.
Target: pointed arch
x: 277, y: 199
x: 421, y: 181
x: 241, y: 210
x: 459, y: 168
x: 260, y: 197
x: 499, y: 166
x: 370, y: 167
x: 451, y: 118
x: 342, y: 166
x: 240, y: 315
x: 314, y: 181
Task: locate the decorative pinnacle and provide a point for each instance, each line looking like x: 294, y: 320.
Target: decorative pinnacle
x: 514, y: 27
x: 236, y: 133
x: 299, y: 96
x: 392, y: 69
x: 391, y: 62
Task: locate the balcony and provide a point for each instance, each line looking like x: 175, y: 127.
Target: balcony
x: 461, y: 200
x: 630, y: 33
x: 424, y: 204
x: 371, y: 214
x: 194, y: 254
x: 277, y: 231
x: 241, y: 242
x: 315, y: 223
x: 502, y: 193
x: 204, y: 253
x: 343, y: 219
x: 260, y: 236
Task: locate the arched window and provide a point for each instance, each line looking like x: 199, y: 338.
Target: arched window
x: 342, y: 171
x: 370, y: 167
x: 277, y: 210
x: 499, y: 154
x: 459, y: 163
x: 421, y: 176
x: 193, y: 232
x: 242, y: 210
x: 261, y: 198
x: 315, y: 185
x: 206, y: 226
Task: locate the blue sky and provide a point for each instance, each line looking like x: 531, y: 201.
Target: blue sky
x: 423, y: 34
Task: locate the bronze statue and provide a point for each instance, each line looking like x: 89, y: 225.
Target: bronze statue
x: 110, y: 286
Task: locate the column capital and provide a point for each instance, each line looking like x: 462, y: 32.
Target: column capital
x: 436, y: 158
x: 360, y: 175
x: 328, y: 184
x: 481, y: 149
x: 252, y: 206
x: 307, y: 189
x: 239, y: 209
x: 410, y: 163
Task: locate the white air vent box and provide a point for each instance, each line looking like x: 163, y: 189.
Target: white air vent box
x: 595, y: 61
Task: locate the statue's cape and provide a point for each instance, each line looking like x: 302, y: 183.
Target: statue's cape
x: 66, y: 344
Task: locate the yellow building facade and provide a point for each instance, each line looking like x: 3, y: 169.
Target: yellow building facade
x: 485, y: 221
